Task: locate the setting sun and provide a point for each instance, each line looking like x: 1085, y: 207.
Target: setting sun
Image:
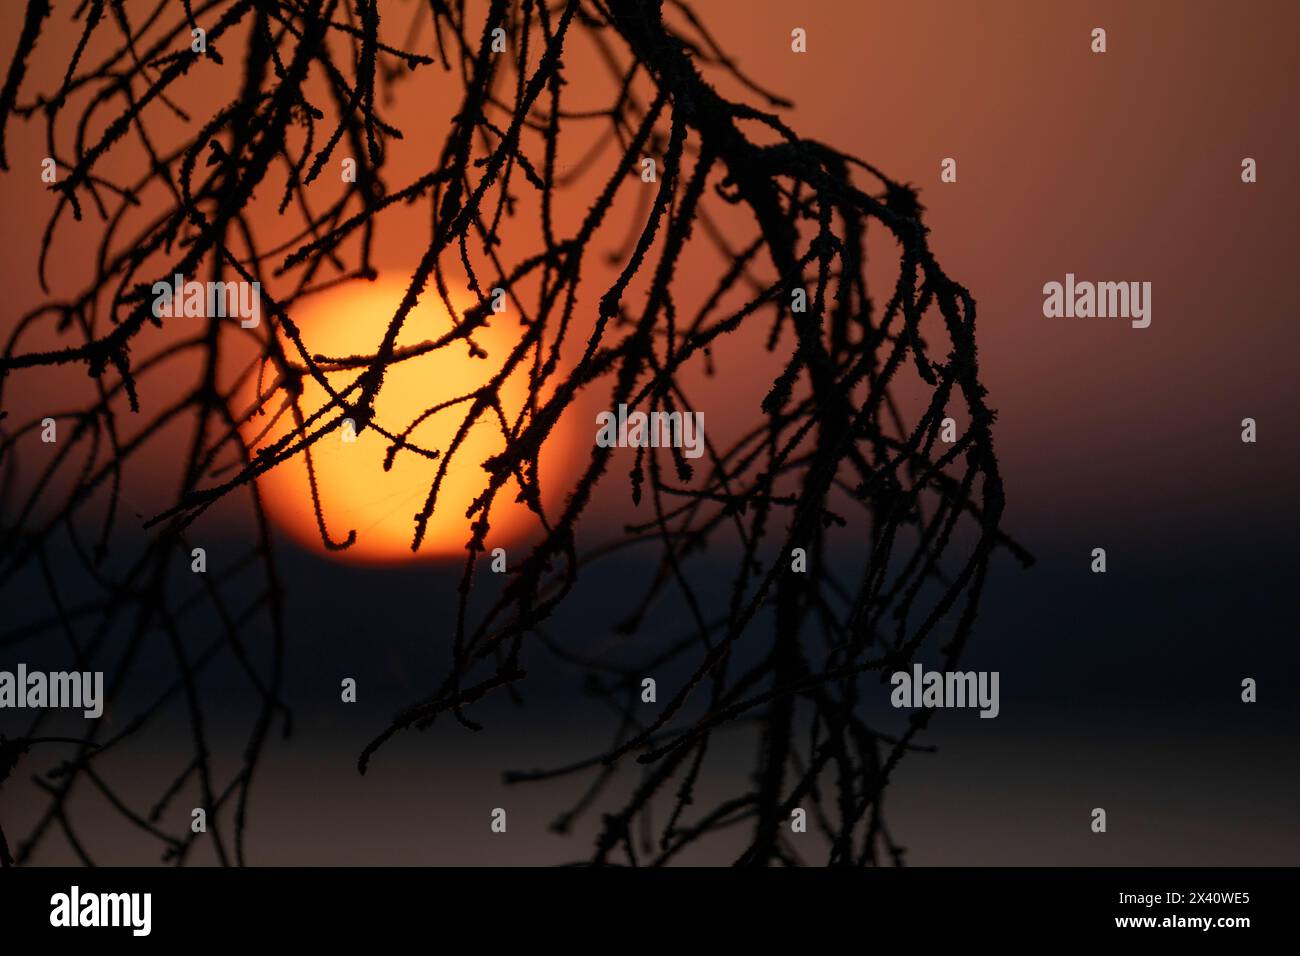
x: 356, y: 493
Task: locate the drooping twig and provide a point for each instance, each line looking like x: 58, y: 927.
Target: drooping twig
x: 896, y: 528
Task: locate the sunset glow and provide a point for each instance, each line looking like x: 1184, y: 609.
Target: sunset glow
x: 356, y: 492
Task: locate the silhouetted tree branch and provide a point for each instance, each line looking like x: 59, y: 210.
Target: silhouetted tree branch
x: 829, y: 464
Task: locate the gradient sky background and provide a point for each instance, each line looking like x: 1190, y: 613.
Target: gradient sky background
x: 1117, y: 166
x: 1118, y: 691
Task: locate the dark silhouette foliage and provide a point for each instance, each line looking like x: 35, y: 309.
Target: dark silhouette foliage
x: 830, y: 456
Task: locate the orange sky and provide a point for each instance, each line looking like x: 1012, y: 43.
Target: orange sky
x: 1116, y: 166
